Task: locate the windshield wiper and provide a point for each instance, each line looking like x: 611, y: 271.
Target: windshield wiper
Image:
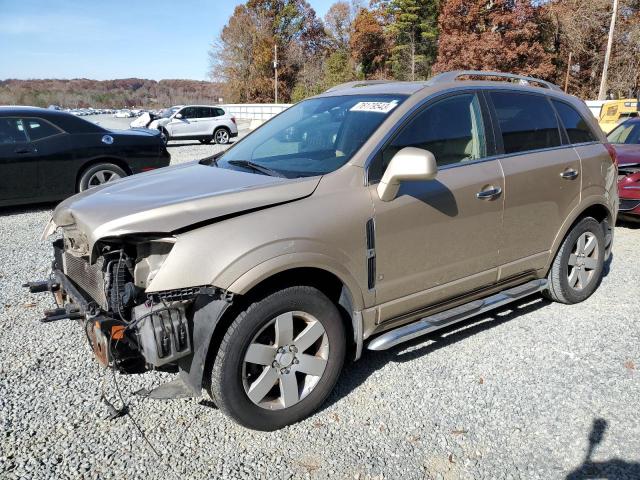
x: 256, y: 167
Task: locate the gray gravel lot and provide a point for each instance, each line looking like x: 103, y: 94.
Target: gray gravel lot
x: 515, y: 394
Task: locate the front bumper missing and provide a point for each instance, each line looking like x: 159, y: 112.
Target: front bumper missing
x: 157, y: 335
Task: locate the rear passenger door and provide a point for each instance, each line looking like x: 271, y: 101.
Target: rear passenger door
x: 542, y: 178
x: 209, y: 120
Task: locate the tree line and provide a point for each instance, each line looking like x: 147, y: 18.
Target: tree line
x: 415, y: 39
x: 82, y: 93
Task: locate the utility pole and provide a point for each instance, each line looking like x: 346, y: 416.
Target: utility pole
x: 566, y: 80
x: 275, y: 68
x: 602, y: 94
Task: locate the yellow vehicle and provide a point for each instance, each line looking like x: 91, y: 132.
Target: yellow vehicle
x: 616, y: 111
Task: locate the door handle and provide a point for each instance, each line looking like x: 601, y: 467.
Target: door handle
x: 23, y: 150
x: 569, y: 174
x: 489, y: 194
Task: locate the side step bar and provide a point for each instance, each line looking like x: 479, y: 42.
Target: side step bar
x: 454, y: 315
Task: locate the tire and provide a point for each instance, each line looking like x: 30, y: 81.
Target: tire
x: 205, y: 141
x: 164, y: 135
x: 221, y: 135
x: 577, y: 268
x: 234, y: 379
x: 99, y: 174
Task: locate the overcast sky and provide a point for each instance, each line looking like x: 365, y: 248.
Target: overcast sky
x: 106, y: 39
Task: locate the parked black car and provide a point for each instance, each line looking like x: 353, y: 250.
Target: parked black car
x: 47, y: 155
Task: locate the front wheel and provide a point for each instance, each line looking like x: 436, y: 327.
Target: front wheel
x: 164, y: 135
x: 577, y: 269
x: 279, y: 359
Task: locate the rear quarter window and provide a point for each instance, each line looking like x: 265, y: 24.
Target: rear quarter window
x: 38, y: 128
x: 576, y: 126
x: 527, y: 121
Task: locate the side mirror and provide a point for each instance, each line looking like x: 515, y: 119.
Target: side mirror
x: 408, y: 165
x: 178, y: 116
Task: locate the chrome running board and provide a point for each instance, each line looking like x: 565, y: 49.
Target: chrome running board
x: 454, y: 315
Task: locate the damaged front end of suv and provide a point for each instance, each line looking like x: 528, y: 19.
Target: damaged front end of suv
x: 105, y: 290
x: 113, y: 242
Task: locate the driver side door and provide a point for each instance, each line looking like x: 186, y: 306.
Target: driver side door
x: 438, y: 239
x: 185, y: 126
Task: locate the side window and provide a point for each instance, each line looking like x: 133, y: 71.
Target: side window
x: 219, y: 112
x: 12, y: 131
x: 189, y: 112
x: 38, y: 129
x: 527, y: 121
x: 575, y: 125
x: 451, y: 129
x: 205, y: 112
x: 628, y: 133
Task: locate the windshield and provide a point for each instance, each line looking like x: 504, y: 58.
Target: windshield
x: 167, y: 112
x: 314, y: 137
x: 628, y: 132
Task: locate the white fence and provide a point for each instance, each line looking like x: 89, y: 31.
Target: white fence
x: 255, y: 111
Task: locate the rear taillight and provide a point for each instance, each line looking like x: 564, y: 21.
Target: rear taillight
x: 233, y: 119
x: 612, y: 153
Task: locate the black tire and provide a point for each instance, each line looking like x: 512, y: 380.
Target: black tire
x: 86, y: 180
x: 559, y: 288
x: 205, y: 141
x: 227, y: 388
x: 221, y: 139
x: 164, y: 135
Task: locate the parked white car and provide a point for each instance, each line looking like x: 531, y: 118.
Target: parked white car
x: 204, y: 123
x: 124, y: 113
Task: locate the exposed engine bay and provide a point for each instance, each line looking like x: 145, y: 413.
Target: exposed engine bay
x: 128, y: 329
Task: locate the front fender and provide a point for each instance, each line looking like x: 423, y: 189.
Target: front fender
x: 285, y: 262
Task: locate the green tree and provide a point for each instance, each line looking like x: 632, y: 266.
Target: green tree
x: 413, y: 28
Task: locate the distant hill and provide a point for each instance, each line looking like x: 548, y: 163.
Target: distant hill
x: 130, y: 92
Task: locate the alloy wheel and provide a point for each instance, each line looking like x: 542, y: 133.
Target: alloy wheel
x: 285, y: 360
x: 102, y: 176
x: 583, y: 261
x: 222, y: 136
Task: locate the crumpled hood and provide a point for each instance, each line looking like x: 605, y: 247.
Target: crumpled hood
x: 173, y: 198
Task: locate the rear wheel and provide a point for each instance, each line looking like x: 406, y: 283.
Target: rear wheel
x: 577, y: 269
x: 279, y: 359
x: 221, y: 136
x: 100, y: 174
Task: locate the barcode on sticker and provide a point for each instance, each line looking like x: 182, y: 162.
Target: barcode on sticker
x: 380, y: 107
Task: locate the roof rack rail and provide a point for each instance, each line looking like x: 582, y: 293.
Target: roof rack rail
x: 356, y: 84
x: 452, y: 76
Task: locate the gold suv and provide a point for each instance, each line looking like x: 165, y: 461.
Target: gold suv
x: 361, y: 218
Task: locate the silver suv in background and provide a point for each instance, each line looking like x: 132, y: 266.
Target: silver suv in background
x: 196, y: 122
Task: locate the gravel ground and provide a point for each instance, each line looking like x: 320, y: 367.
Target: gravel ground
x: 517, y: 394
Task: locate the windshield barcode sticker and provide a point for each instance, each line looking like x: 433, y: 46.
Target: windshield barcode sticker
x: 380, y: 107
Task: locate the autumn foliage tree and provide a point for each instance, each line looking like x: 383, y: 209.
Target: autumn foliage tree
x: 369, y: 45
x: 413, y: 39
x: 243, y: 56
x: 503, y: 35
x: 580, y: 28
